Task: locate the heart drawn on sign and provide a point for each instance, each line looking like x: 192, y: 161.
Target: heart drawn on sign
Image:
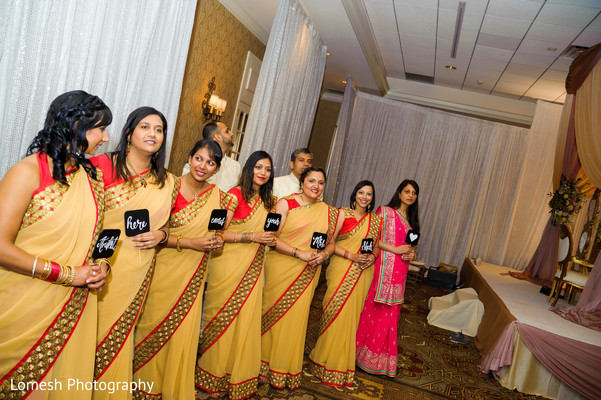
x: 413, y: 236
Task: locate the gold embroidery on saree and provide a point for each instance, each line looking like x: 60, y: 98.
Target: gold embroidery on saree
x: 344, y: 290
x: 232, y: 307
x: 114, y: 340
x: 258, y: 203
x: 214, y: 384
x: 98, y: 190
x: 153, y: 343
x: 189, y: 213
x: 119, y: 195
x: 348, y: 213
x: 225, y: 200
x: 44, y: 203
x: 43, y: 355
x: 280, y: 380
x: 298, y: 286
x: 335, y: 378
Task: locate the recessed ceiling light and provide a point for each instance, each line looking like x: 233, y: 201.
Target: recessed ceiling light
x: 343, y: 81
x: 451, y: 67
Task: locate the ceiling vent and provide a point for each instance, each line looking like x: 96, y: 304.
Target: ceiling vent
x: 419, y: 78
x: 572, y: 52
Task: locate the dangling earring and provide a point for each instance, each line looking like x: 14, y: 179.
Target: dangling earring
x: 128, y: 143
x: 353, y: 204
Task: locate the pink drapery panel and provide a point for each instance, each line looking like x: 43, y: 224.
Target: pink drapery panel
x: 588, y: 310
x: 542, y: 266
x: 576, y: 363
x: 584, y: 79
x: 500, y: 355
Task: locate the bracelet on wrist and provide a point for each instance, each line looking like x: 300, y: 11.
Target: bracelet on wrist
x: 178, y: 243
x: 35, y: 263
x: 165, y: 237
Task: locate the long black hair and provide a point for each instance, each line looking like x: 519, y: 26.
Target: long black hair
x: 63, y: 137
x: 413, y: 209
x: 358, y: 186
x: 157, y: 161
x: 247, y: 176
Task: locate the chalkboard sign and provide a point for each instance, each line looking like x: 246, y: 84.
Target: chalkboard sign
x: 136, y: 222
x: 318, y: 241
x: 367, y: 246
x: 272, y: 222
x: 107, y: 241
x: 412, y: 237
x: 217, y: 221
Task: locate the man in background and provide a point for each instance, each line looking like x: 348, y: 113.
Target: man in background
x: 229, y: 172
x: 300, y: 160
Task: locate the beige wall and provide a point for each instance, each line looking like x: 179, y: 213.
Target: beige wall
x: 323, y: 130
x: 218, y: 48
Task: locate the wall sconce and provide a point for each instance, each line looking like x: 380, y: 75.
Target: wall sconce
x: 214, y: 106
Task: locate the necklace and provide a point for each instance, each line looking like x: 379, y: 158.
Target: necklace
x: 142, y: 177
x: 304, y: 201
x: 196, y: 195
x: 402, y: 215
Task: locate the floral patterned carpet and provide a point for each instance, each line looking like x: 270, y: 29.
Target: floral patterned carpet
x: 430, y: 365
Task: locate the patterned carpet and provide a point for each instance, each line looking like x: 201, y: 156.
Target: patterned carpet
x: 430, y: 365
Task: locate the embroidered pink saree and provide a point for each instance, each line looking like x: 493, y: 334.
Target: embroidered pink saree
x: 377, y: 333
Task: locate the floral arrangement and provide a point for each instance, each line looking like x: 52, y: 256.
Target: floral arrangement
x: 566, y: 201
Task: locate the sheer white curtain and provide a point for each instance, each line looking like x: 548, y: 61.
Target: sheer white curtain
x: 288, y: 87
x: 469, y: 170
x: 338, y: 141
x: 129, y: 53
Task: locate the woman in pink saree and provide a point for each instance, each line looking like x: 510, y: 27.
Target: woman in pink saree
x: 377, y: 333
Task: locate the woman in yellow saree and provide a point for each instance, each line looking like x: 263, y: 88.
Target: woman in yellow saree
x: 141, y: 148
x: 230, y: 346
x: 49, y: 221
x: 348, y: 277
x: 291, y: 275
x: 166, y: 338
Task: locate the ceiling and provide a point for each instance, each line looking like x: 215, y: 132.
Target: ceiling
x: 508, y: 52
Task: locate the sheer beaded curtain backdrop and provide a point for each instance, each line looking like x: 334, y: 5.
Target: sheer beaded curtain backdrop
x: 130, y: 54
x: 287, y: 91
x: 475, y: 176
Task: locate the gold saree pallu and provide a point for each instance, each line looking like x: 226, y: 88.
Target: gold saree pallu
x: 36, y: 364
x: 280, y: 380
x: 298, y: 287
x: 155, y: 341
x: 112, y: 343
x: 219, y: 324
x: 353, y: 273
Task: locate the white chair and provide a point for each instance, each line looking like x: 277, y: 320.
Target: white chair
x: 575, y: 281
x: 563, y: 261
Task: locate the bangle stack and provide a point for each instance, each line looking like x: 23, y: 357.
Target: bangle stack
x: 327, y: 254
x: 35, y: 263
x: 107, y: 262
x: 220, y: 235
x: 164, y: 239
x: 294, y: 252
x: 56, y: 273
x: 178, y: 243
x: 246, y: 238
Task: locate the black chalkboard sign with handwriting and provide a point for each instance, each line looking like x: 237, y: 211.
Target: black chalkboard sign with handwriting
x: 106, y: 243
x: 318, y: 241
x: 272, y: 222
x: 412, y: 237
x: 217, y: 221
x: 136, y: 222
x: 367, y: 246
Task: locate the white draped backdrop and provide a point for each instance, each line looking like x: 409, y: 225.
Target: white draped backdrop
x: 483, y: 184
x: 288, y: 87
x: 129, y: 53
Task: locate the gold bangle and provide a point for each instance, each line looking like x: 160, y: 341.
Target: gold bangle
x: 108, y: 264
x: 177, y: 243
x: 71, y: 274
x: 35, y: 262
x: 220, y: 235
x: 327, y: 254
x: 46, y: 272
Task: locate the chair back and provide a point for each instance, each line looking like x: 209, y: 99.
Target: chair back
x: 565, y: 244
